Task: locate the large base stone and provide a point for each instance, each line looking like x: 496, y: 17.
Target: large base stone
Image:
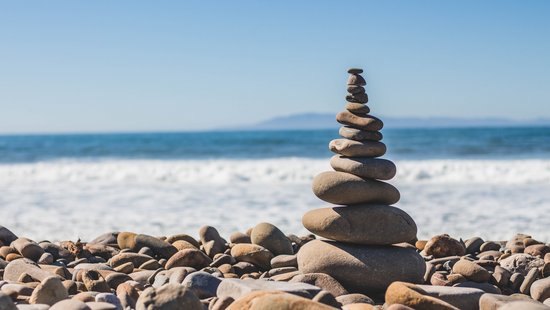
x: 362, y: 268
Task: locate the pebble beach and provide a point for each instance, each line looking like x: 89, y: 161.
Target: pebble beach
x: 360, y: 250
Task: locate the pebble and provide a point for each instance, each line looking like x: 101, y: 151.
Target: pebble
x: 540, y: 289
x: 49, y: 291
x: 70, y: 304
x: 275, y: 300
x: 18, y: 267
x: 94, y: 305
x: 347, y: 189
x: 539, y: 250
x: 460, y: 297
x: 203, y: 284
x: 94, y: 281
x: 189, y: 258
x: 359, y: 135
x: 495, y: 301
x: 354, y: 298
x: 528, y: 281
x: 5, y: 300
x: 410, y: 295
x: 239, y: 237
x: 521, y: 263
x: 169, y: 296
x: 489, y: 246
x: 523, y: 305
x: 28, y: 248
x: 444, y: 245
x: 323, y: 281
x: 109, y: 298
x: 159, y: 247
x: 252, y: 253
x: 236, y: 288
x: 284, y: 261
x: 501, y: 276
x: 364, y: 122
x: 211, y: 240
x: 370, y: 168
x: 473, y: 245
x: 361, y: 224
x: 6, y: 236
x: 126, y: 240
x: 183, y: 237
x: 351, y: 264
x: 271, y: 238
x: 471, y: 271
x: 486, y: 287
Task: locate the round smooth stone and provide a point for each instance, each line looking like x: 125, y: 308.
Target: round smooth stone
x: 347, y: 189
x: 357, y: 148
x: 355, y: 70
x: 361, y: 224
x: 365, y: 122
x: 361, y: 268
x: 356, y: 79
x: 360, y: 135
x: 357, y: 108
x: 271, y: 238
x: 371, y: 168
x: 355, y: 89
x: 359, y: 98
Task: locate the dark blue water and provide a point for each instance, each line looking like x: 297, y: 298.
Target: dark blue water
x: 402, y: 144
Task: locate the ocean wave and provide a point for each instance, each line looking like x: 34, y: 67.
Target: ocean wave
x: 488, y: 198
x: 262, y: 171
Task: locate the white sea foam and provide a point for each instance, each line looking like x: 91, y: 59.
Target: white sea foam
x: 68, y: 199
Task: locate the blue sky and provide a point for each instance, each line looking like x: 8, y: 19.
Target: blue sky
x: 72, y: 66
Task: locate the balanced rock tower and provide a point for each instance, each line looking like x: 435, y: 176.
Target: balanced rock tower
x: 361, y: 233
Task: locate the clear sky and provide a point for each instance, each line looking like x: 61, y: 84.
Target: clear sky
x: 71, y: 66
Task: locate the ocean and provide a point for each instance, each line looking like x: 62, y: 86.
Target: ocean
x: 488, y: 182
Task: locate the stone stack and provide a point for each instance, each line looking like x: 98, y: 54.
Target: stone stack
x: 363, y: 231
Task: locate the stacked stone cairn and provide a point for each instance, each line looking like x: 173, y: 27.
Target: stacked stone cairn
x: 367, y: 246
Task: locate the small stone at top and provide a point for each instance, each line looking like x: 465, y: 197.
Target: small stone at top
x: 355, y: 70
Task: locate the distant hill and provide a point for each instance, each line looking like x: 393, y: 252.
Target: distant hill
x: 327, y: 121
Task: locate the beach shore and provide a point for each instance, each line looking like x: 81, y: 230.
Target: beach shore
x: 263, y: 265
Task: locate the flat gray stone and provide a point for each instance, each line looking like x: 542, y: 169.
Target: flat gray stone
x: 19, y: 266
x: 203, y: 284
x: 460, y: 297
x: 236, y: 288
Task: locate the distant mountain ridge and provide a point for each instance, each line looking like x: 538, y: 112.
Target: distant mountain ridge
x: 328, y: 121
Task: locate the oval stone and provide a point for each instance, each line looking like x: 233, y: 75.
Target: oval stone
x: 365, y: 122
x: 358, y: 98
x: 371, y: 168
x: 355, y: 89
x: 271, y: 238
x: 362, y: 268
x: 357, y: 108
x: 347, y: 189
x: 355, y: 70
x: 356, y: 148
x: 362, y: 224
x: 356, y: 79
x: 359, y: 135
